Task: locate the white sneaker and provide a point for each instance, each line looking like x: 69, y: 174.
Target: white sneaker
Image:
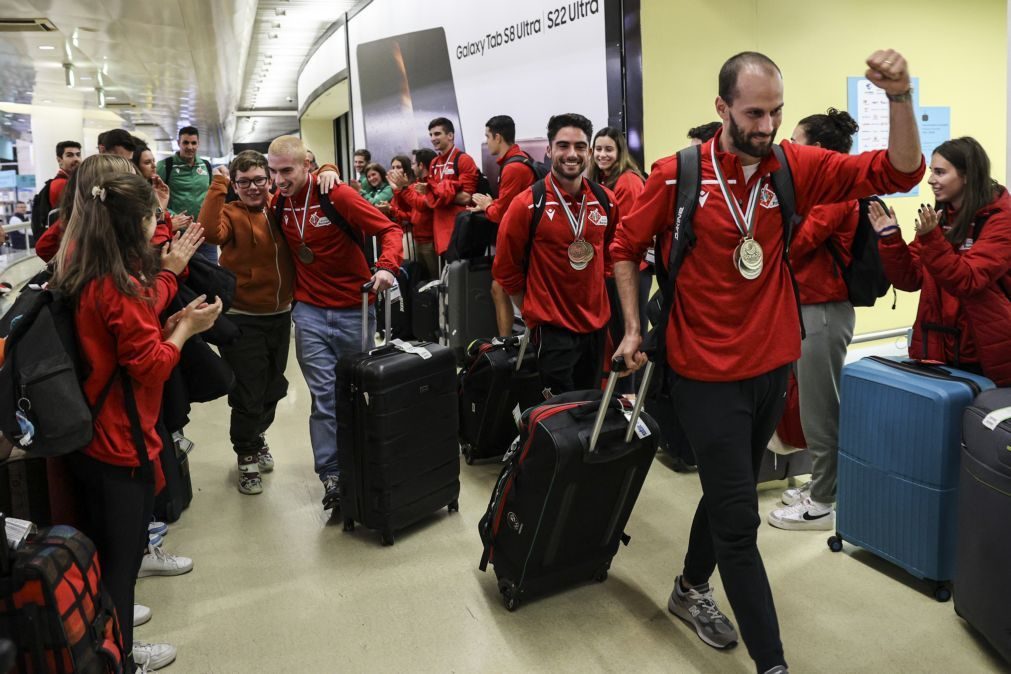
x: 141, y: 614
x: 804, y: 515
x: 150, y: 657
x: 157, y: 562
x: 797, y: 494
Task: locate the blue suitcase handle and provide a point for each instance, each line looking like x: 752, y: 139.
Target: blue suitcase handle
x: 927, y: 370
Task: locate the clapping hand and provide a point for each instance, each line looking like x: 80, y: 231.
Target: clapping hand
x: 927, y: 220
x: 880, y: 219
x: 176, y: 254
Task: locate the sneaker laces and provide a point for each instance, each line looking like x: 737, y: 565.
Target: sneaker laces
x: 706, y: 602
x: 162, y: 556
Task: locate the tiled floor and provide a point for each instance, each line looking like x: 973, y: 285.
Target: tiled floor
x: 277, y: 587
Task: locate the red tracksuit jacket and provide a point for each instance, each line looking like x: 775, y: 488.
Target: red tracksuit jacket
x: 443, y: 185
x: 513, y: 179
x: 818, y: 277
x: 723, y: 327
x: 334, y: 278
x: 408, y: 202
x: 555, y: 293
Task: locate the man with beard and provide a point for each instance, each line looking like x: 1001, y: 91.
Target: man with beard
x: 734, y: 326
x: 553, y: 269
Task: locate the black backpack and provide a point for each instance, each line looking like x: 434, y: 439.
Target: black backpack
x: 40, y: 380
x: 483, y: 184
x: 864, y: 275
x: 540, y: 171
x: 41, y: 205
x: 689, y: 185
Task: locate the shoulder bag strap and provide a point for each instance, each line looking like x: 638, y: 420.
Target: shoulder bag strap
x: 540, y: 195
x: 331, y: 212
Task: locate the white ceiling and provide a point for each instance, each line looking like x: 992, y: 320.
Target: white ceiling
x: 176, y: 62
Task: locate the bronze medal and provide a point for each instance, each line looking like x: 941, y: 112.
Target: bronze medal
x: 580, y: 254
x: 305, y: 254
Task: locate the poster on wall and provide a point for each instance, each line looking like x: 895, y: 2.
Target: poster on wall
x: 412, y: 62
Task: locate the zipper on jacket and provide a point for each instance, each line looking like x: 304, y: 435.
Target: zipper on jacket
x: 277, y: 263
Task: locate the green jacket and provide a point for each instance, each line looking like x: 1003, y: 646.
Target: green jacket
x: 187, y: 184
x: 376, y: 194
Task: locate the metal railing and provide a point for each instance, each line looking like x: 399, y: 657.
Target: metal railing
x: 25, y: 227
x: 882, y: 334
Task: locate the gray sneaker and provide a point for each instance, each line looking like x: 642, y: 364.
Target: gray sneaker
x: 697, y: 607
x: 778, y: 669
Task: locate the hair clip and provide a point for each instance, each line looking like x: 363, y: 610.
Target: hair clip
x: 98, y: 193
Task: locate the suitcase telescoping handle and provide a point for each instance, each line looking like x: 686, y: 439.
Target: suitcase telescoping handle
x: 617, y: 367
x: 524, y: 343
x: 366, y: 289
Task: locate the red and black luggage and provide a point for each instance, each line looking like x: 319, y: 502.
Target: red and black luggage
x: 559, y: 509
x: 397, y: 433
x: 983, y: 553
x: 53, y: 606
x: 500, y: 377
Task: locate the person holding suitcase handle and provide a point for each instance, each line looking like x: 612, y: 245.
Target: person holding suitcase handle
x: 325, y: 232
x: 733, y: 202
x: 960, y: 262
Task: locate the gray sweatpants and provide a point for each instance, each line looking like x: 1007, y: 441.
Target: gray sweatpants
x: 829, y: 329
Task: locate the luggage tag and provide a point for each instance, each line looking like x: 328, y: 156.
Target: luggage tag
x: 995, y: 418
x: 394, y: 292
x: 410, y: 348
x: 517, y: 415
x: 641, y: 429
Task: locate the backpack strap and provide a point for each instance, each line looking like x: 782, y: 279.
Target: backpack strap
x: 331, y: 212
x: 540, y: 195
x: 782, y: 184
x: 524, y: 159
x: 210, y: 172
x: 689, y: 184
x: 169, y: 160
x: 146, y: 469
x: 601, y: 195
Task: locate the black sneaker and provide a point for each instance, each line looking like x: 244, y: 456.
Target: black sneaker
x: 697, y: 607
x: 331, y: 493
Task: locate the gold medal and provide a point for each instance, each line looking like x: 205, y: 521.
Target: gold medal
x: 751, y: 253
x: 580, y: 254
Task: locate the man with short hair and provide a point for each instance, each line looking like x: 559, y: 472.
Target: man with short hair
x: 188, y: 177
x: 330, y: 269
x: 359, y: 161
x: 452, y: 178
x: 68, y: 156
x: 702, y: 133
x: 516, y: 173
x: 553, y: 269
x: 733, y: 324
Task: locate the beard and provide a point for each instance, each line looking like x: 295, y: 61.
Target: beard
x: 754, y: 144
x: 562, y: 168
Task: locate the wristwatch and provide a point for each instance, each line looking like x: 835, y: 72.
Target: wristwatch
x: 904, y: 97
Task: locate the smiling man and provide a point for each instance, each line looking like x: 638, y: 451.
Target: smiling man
x: 734, y: 326
x: 552, y: 252
x: 452, y: 179
x: 325, y: 234
x: 188, y: 177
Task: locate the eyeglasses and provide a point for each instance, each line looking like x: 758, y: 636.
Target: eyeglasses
x: 244, y: 183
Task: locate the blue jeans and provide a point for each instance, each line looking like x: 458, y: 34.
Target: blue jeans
x: 322, y: 336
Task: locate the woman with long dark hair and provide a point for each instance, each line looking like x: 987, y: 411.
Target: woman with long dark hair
x: 119, y: 284
x: 960, y: 261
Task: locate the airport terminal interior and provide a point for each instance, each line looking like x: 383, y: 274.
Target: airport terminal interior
x: 239, y: 109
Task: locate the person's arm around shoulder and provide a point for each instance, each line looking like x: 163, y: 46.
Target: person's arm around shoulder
x: 988, y: 260
x: 216, y: 223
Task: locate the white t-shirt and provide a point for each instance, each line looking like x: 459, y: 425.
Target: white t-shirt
x: 16, y: 220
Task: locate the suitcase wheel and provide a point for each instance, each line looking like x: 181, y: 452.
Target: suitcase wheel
x: 600, y: 576
x: 468, y: 454
x: 835, y: 543
x: 454, y: 506
x: 510, y: 594
x: 349, y: 525
x: 387, y: 536
x: 942, y: 593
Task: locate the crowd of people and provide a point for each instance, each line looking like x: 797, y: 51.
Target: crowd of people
x: 579, y: 240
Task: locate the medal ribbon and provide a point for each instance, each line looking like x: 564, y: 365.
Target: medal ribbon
x: 745, y: 221
x: 577, y: 223
x: 305, y: 212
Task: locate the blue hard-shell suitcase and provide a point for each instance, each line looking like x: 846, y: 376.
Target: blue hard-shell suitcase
x: 900, y: 435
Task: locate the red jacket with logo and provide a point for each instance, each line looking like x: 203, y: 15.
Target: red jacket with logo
x: 627, y: 189
x: 554, y: 292
x: 408, y: 202
x: 513, y: 179
x: 964, y: 287
x: 819, y: 278
x: 444, y: 183
x: 114, y: 329
x: 334, y: 278
x: 724, y: 327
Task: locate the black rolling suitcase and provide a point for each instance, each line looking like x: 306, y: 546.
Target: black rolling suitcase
x: 500, y: 378
x: 558, y: 511
x: 468, y: 307
x: 983, y: 558
x: 396, y: 429
x: 409, y: 277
